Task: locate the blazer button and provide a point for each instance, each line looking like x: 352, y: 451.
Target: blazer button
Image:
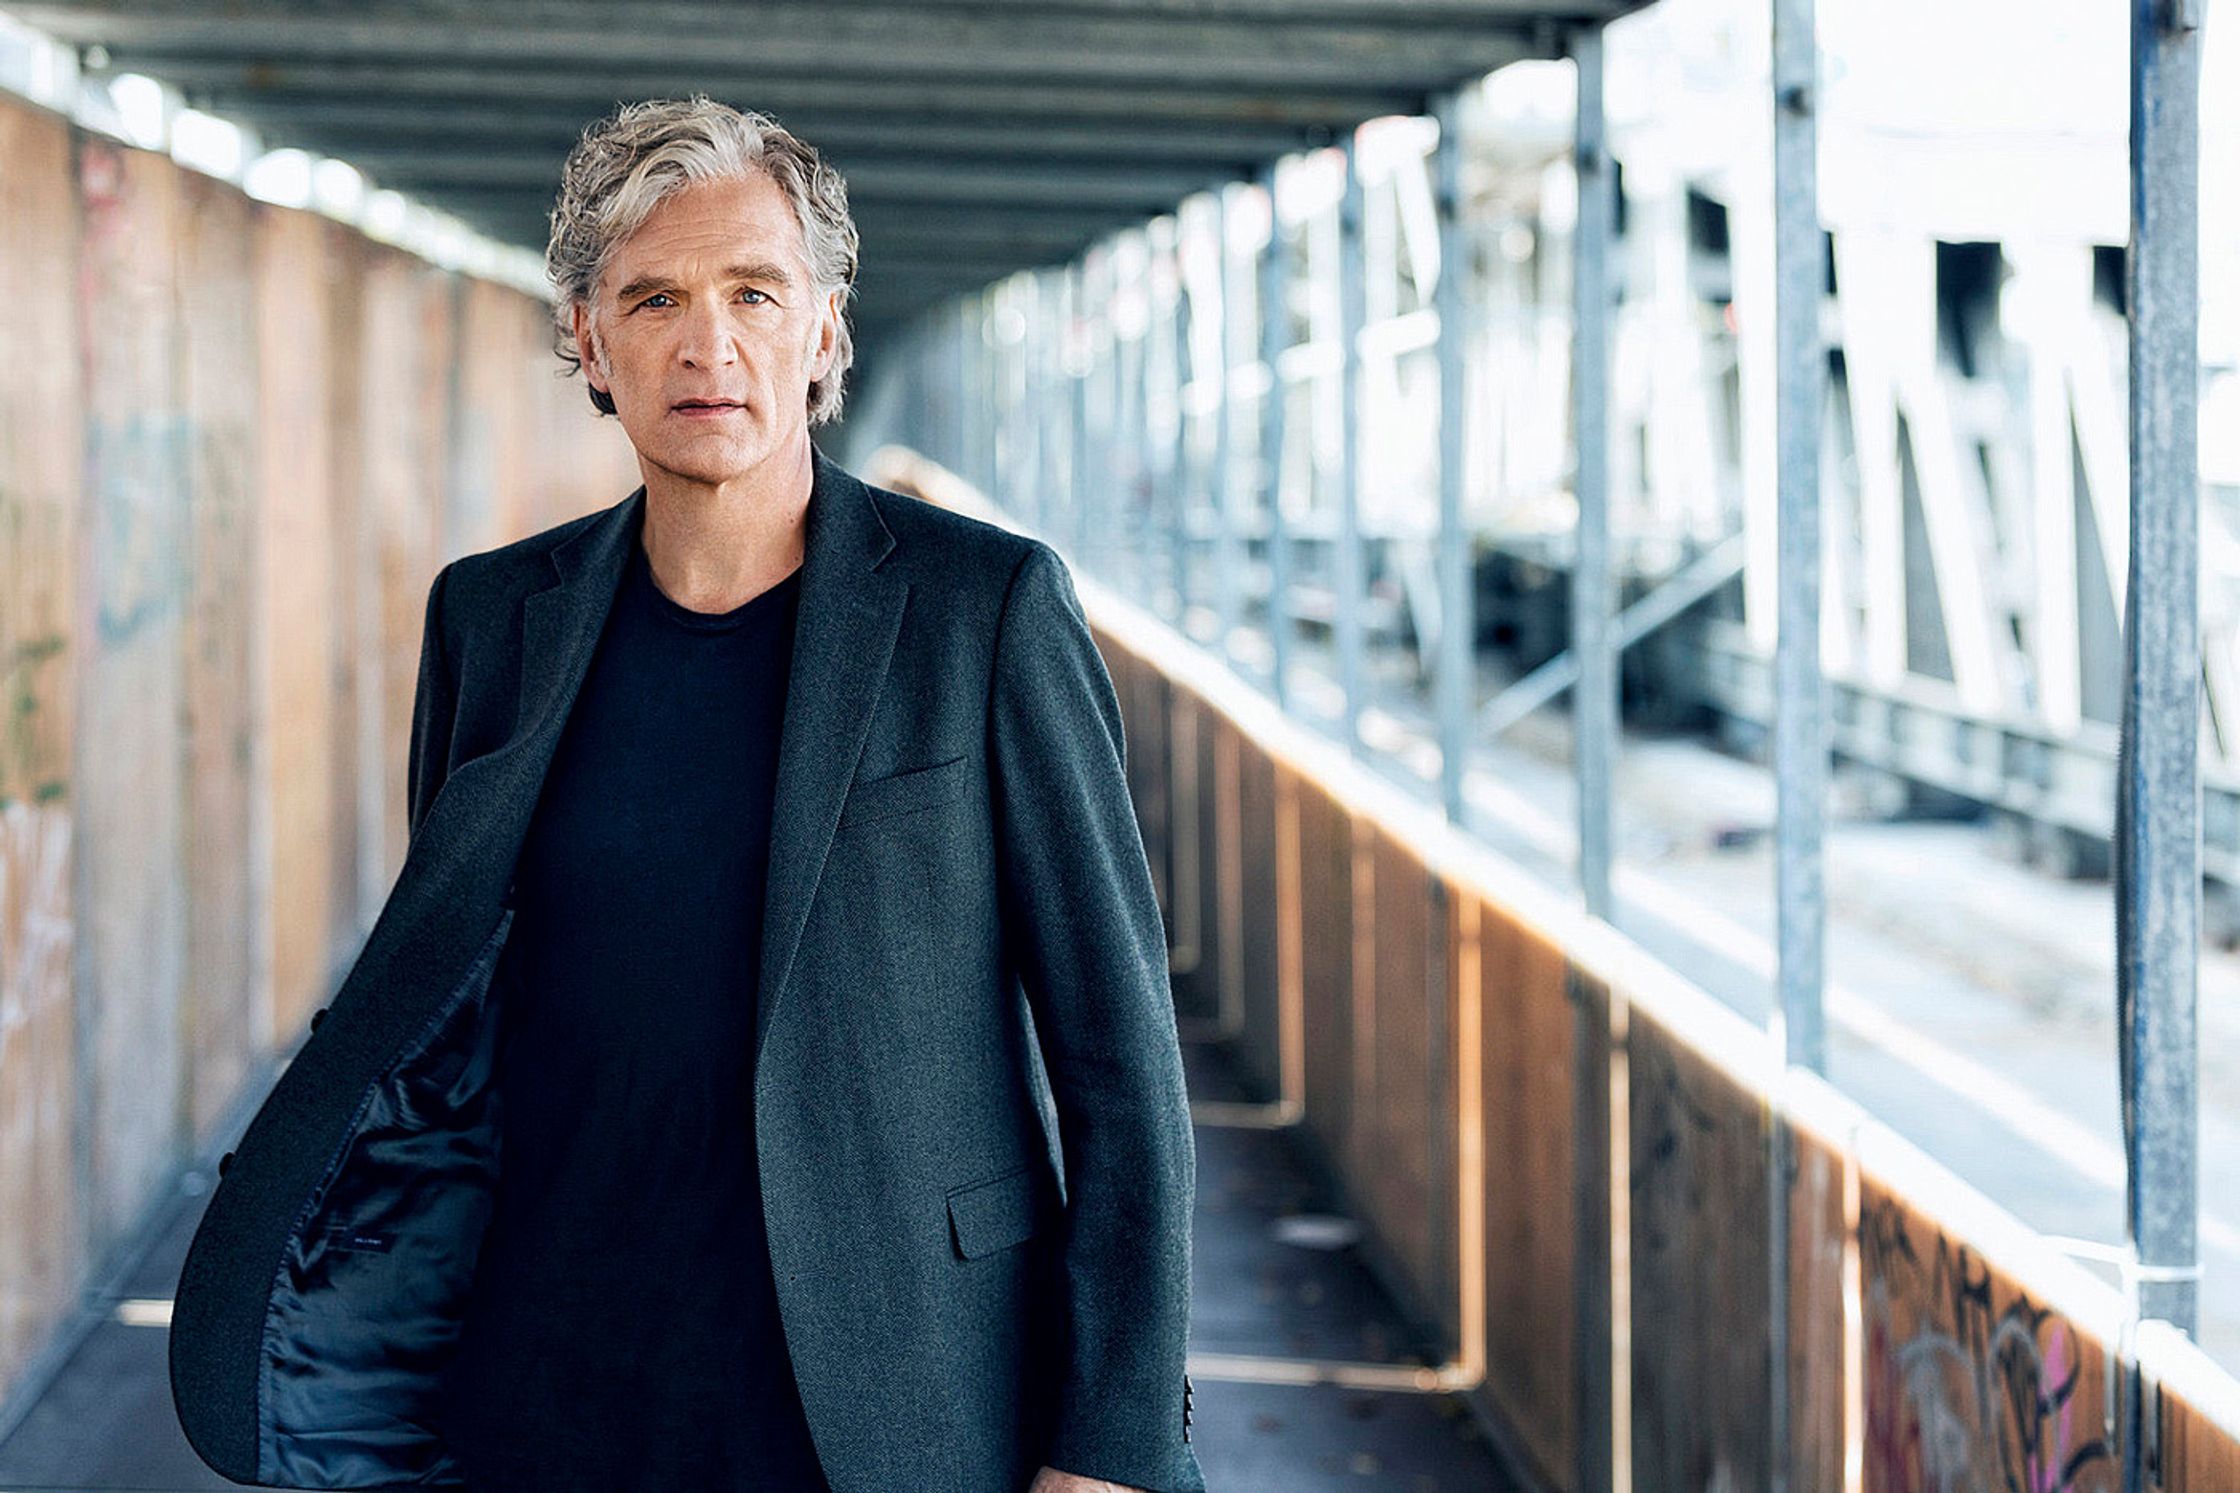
x: 317, y: 1017
x: 224, y: 1162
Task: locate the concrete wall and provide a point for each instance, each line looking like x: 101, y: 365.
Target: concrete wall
x: 236, y: 442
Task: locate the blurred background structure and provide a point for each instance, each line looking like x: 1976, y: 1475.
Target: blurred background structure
x: 1674, y: 571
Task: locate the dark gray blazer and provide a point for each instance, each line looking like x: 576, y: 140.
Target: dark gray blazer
x: 977, y: 1165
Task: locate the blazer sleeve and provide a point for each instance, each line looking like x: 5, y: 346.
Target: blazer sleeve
x: 435, y: 701
x: 1083, y: 929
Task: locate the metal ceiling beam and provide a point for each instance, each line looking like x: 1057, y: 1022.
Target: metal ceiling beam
x: 1145, y: 189
x: 1355, y: 12
x: 1022, y: 229
x: 864, y: 40
x: 1377, y: 14
x: 470, y: 157
x: 595, y: 90
x: 880, y: 241
x: 473, y: 123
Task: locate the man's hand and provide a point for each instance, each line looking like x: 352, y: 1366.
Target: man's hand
x: 1050, y: 1480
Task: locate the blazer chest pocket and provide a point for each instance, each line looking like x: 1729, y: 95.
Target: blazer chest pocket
x: 998, y: 1212
x: 903, y: 792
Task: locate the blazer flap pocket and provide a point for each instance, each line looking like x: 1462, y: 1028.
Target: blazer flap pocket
x: 900, y: 792
x: 997, y: 1213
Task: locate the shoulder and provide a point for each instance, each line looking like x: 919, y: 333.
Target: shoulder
x: 522, y: 562
x: 957, y: 554
x: 479, y: 593
x: 498, y: 578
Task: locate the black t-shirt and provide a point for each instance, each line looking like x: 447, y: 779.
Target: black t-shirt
x: 623, y: 1332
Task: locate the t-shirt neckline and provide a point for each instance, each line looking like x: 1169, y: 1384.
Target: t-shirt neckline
x: 677, y: 612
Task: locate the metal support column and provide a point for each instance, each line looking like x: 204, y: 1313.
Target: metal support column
x: 1594, y: 699
x: 2158, y: 804
x: 1106, y: 493
x: 1034, y: 355
x: 1228, y: 549
x: 1134, y: 405
x: 1455, y: 681
x: 1051, y: 326
x: 964, y: 377
x: 1182, y: 473
x: 1275, y: 336
x: 988, y: 391
x: 1800, y: 747
x: 1352, y: 579
x: 1081, y: 359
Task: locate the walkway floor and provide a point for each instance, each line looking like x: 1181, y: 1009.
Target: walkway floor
x: 1263, y: 1308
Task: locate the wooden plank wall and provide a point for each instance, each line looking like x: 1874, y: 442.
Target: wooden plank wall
x: 1699, y: 1258
x: 1259, y: 1045
x: 129, y: 787
x: 239, y: 442
x: 41, y: 487
x: 1529, y: 1061
x: 1934, y: 1343
x: 225, y: 1023
x: 1196, y: 857
x: 1973, y: 1376
x: 1328, y: 918
x: 2194, y: 1407
x: 1588, y: 1193
x: 1823, y: 1225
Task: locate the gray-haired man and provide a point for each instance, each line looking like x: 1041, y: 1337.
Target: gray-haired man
x: 775, y: 932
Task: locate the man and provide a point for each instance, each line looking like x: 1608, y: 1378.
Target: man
x: 773, y: 895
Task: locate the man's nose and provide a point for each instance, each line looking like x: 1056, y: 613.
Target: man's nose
x: 705, y: 337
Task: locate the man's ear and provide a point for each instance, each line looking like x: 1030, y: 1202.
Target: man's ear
x: 587, y: 351
x: 827, y: 350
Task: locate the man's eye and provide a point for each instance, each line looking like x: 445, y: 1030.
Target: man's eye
x: 656, y: 296
x: 750, y: 290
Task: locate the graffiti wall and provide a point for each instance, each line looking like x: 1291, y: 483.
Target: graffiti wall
x: 41, y: 482
x: 1973, y: 1381
x: 236, y: 442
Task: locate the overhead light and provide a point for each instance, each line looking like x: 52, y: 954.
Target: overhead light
x: 207, y: 143
x: 281, y: 177
x: 384, y: 215
x: 337, y: 188
x: 140, y: 108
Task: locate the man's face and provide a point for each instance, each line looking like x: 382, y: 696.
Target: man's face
x: 710, y: 300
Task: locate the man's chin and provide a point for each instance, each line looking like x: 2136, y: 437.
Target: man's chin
x: 710, y: 462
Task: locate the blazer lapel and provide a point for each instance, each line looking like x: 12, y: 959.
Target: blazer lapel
x: 843, y: 640
x: 844, y: 635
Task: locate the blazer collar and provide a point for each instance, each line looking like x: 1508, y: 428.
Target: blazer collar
x: 850, y: 614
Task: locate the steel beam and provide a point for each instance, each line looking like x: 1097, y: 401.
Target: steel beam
x: 1432, y: 17
x: 1228, y: 564
x: 1800, y: 726
x: 1800, y: 744
x: 2158, y: 814
x: 452, y: 123
x: 1077, y: 407
x: 1275, y: 337
x: 1595, y: 699
x: 1455, y: 677
x: 1352, y: 569
x: 1141, y: 189
x: 865, y: 40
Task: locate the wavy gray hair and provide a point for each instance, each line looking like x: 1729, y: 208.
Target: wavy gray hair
x: 627, y: 163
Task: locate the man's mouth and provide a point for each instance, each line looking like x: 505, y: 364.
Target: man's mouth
x: 708, y: 404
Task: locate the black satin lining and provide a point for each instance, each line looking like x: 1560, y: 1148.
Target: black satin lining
x: 366, y: 1308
